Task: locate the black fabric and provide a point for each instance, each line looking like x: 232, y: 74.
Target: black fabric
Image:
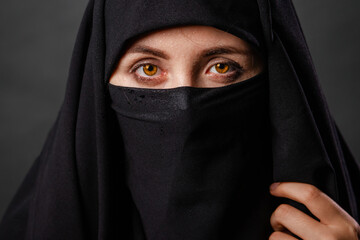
x: 197, y: 158
x: 77, y: 187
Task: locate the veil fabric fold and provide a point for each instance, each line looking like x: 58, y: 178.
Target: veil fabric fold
x: 76, y: 188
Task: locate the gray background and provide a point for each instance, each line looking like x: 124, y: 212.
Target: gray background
x: 37, y: 37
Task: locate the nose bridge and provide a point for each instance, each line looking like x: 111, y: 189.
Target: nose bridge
x: 185, y: 78
x: 183, y: 72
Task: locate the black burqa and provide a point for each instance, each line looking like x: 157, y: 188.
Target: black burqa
x: 76, y: 188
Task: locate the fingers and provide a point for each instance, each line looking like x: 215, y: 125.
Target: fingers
x: 297, y: 222
x: 281, y: 236
x: 322, y: 206
x: 335, y: 222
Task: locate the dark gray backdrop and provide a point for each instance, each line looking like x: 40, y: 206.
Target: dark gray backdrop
x: 37, y: 37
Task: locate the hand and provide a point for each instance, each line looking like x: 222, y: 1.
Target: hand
x: 335, y: 223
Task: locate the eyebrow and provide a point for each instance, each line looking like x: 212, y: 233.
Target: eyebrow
x: 206, y: 53
x: 148, y: 50
x: 223, y: 50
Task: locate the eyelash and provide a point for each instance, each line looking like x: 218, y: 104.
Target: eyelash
x: 141, y: 78
x: 235, y: 70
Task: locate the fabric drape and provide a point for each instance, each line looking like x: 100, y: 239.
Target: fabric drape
x: 76, y: 188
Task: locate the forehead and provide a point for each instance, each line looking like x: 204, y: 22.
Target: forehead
x: 195, y: 35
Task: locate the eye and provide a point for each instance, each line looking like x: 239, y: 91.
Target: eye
x: 226, y: 68
x: 220, y: 68
x: 147, y: 70
x: 225, y: 71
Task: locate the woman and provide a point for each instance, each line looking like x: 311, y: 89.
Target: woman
x: 192, y: 158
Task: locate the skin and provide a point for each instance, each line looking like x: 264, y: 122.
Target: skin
x: 185, y: 59
x: 335, y: 223
x: 181, y: 60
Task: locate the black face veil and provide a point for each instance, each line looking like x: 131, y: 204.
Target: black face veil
x: 76, y: 188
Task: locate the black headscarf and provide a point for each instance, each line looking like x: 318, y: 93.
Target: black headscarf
x: 76, y: 188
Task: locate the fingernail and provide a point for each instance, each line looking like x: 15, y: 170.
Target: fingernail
x: 274, y: 186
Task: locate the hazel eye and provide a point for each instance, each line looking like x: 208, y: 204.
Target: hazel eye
x: 225, y: 71
x: 220, y: 67
x: 149, y: 69
x: 148, y: 74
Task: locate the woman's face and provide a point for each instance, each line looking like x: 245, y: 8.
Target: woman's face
x: 197, y: 56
